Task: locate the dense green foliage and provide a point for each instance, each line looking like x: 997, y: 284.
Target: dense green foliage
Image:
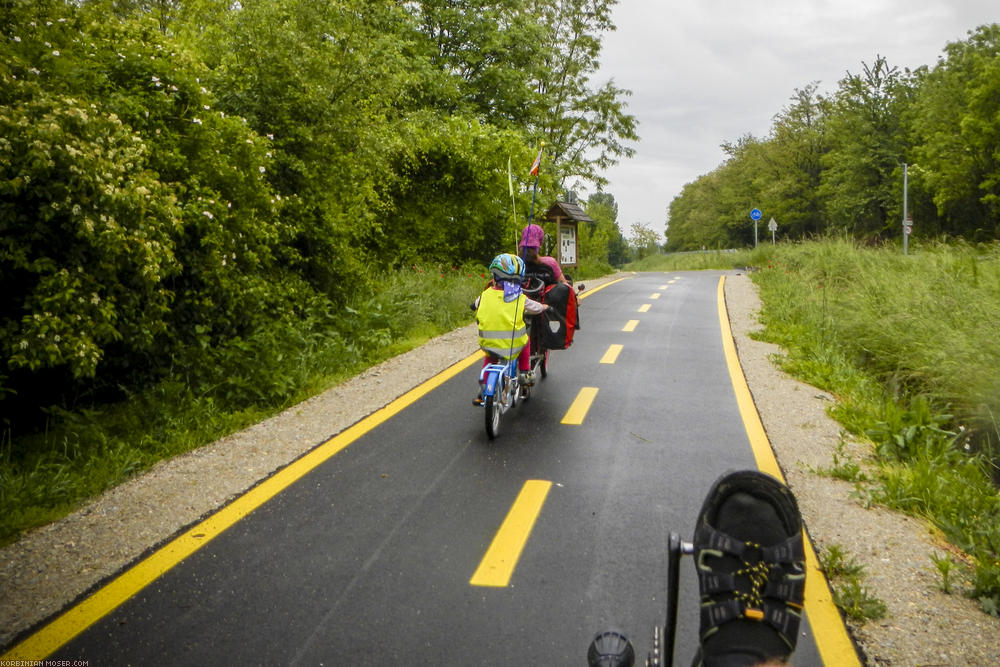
x: 186, y: 186
x: 178, y: 177
x: 834, y: 164
x: 906, y: 345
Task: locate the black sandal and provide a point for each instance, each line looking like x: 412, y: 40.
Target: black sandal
x: 751, y: 572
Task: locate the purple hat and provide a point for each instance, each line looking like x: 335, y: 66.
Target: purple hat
x: 531, y: 237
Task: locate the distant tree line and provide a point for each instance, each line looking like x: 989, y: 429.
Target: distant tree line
x: 834, y: 164
x: 176, y: 175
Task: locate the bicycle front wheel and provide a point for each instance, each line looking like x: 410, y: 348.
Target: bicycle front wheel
x: 492, y: 405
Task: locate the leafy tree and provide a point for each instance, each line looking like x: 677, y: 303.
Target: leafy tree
x: 795, y: 153
x: 643, y: 240
x: 452, y: 199
x: 742, y: 179
x: 136, y: 217
x: 586, y: 129
x: 88, y: 236
x: 481, y: 56
x: 862, y: 180
x: 601, y: 240
x: 324, y: 80
x: 957, y: 134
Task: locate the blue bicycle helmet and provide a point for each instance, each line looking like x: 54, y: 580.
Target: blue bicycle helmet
x: 506, y: 266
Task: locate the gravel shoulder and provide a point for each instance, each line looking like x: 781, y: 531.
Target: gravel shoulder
x: 54, y: 565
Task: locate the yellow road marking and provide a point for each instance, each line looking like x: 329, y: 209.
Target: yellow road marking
x: 835, y: 647
x: 630, y: 325
x: 580, y: 406
x: 644, y: 308
x: 611, y: 356
x: 600, y: 287
x: 663, y: 287
x: 106, y: 599
x: 498, y: 564
x: 655, y: 295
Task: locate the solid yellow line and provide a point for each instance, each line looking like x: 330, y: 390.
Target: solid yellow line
x: 644, y: 308
x: 832, y: 640
x: 498, y: 564
x: 630, y: 325
x: 611, y: 356
x: 587, y: 293
x: 87, y: 612
x: 761, y: 446
x: 580, y: 406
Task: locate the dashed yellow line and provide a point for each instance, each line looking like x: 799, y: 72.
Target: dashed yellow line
x: 580, y: 406
x: 611, y: 356
x: 644, y: 308
x: 656, y: 295
x: 630, y: 325
x: 501, y: 558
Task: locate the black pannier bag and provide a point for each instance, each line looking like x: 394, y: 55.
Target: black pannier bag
x: 558, y: 331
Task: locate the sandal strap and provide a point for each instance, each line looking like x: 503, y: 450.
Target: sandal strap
x: 783, y: 619
x: 789, y: 551
x: 707, y: 537
x: 788, y: 588
x: 777, y: 615
x: 716, y: 613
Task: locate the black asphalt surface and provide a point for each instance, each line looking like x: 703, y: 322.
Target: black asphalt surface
x: 367, y: 559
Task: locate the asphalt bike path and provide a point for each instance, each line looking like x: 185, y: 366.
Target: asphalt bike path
x: 423, y: 542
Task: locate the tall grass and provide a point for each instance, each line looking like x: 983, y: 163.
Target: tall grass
x: 693, y: 261
x: 923, y: 326
x: 909, y: 346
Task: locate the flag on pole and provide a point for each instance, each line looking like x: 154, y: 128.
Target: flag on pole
x: 537, y: 163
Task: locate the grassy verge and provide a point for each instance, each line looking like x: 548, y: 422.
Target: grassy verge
x: 908, y: 345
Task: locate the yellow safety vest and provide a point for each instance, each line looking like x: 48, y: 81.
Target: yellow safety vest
x: 501, y: 325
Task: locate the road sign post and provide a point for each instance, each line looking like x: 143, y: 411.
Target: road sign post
x: 773, y: 227
x: 907, y: 221
x: 755, y: 215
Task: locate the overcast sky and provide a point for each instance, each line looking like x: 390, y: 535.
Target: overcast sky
x: 703, y: 72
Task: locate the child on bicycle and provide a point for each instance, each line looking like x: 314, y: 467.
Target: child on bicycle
x: 500, y: 311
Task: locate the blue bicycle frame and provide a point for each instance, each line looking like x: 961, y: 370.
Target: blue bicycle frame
x: 500, y: 392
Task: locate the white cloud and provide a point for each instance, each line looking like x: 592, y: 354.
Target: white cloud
x: 705, y: 72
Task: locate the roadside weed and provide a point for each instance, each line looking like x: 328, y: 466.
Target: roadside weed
x: 849, y: 594
x: 944, y: 565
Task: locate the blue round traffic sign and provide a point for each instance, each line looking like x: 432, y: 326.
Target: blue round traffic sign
x: 755, y: 214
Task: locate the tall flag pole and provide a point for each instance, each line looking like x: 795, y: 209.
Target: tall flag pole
x: 513, y: 202
x: 535, y: 166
